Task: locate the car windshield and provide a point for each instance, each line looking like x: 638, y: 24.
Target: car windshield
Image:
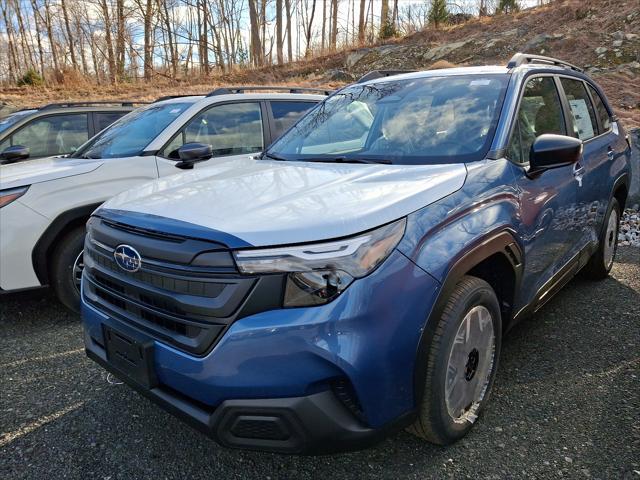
x: 130, y: 135
x: 14, y: 118
x: 445, y: 119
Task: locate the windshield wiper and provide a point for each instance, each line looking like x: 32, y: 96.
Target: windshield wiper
x: 382, y: 161
x: 273, y: 157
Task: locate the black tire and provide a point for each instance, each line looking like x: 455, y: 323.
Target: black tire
x: 434, y: 422
x: 65, y: 253
x: 598, y: 267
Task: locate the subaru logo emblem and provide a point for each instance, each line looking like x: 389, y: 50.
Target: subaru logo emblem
x: 127, y: 258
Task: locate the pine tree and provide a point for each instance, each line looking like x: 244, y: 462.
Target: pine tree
x: 439, y: 12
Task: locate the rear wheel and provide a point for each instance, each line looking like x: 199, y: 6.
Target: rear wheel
x: 462, y: 363
x: 66, y: 268
x: 601, y: 262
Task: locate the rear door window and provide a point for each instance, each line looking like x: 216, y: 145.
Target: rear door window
x: 585, y: 125
x: 103, y: 119
x: 601, y: 110
x: 286, y: 114
x: 54, y: 135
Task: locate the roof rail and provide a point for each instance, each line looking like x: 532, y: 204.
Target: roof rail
x: 232, y: 90
x: 374, y: 74
x: 90, y: 104
x: 526, y: 58
x: 171, y: 97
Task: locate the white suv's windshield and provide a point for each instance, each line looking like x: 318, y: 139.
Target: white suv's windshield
x: 446, y: 119
x: 130, y: 135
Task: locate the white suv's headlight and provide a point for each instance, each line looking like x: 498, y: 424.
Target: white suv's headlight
x: 11, y: 194
x: 319, y: 272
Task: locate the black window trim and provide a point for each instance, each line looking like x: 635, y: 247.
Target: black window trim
x: 266, y: 135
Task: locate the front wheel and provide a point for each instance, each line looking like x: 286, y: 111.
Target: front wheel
x: 601, y: 262
x: 462, y: 363
x: 66, y: 268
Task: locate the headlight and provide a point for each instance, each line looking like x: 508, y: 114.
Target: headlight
x: 317, y: 273
x: 11, y: 194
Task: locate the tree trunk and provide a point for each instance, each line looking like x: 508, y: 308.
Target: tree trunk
x: 324, y: 26
x: 52, y: 43
x: 287, y: 5
x: 279, y: 46
x: 148, y: 45
x: 107, y: 37
x: 36, y: 15
x: 361, y: 22
x: 256, y: 45
x: 309, y: 29
x: 334, y: 23
x: 384, y: 17
x: 120, y: 46
x: 67, y: 26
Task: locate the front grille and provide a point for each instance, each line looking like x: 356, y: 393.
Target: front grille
x: 187, y: 306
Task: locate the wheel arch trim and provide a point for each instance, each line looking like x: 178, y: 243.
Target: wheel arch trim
x: 42, y: 248
x: 501, y: 242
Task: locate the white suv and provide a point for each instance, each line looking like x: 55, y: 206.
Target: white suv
x: 45, y: 203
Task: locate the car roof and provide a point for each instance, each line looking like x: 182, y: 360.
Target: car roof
x: 520, y: 63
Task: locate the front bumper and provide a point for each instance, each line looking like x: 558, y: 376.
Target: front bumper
x: 20, y: 229
x: 268, y: 382
x: 314, y: 424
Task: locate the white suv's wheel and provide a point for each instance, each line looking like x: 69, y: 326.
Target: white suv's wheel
x: 462, y: 363
x: 66, y: 268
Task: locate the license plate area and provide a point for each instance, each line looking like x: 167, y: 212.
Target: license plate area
x: 131, y: 355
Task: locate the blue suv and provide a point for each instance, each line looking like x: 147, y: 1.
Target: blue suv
x: 358, y: 277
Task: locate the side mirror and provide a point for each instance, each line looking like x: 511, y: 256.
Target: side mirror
x: 14, y: 154
x: 554, y: 151
x: 192, y: 153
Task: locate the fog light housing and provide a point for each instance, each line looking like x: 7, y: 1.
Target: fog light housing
x: 316, y: 287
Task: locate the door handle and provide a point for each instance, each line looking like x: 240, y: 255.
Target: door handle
x: 611, y: 154
x: 578, y: 173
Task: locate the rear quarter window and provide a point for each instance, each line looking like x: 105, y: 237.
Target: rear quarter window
x: 104, y: 119
x: 601, y: 110
x: 286, y: 114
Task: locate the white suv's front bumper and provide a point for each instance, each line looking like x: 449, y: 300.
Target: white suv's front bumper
x: 20, y: 229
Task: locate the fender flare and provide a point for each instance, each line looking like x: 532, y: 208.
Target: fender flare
x: 622, y: 180
x: 46, y: 242
x: 498, y: 242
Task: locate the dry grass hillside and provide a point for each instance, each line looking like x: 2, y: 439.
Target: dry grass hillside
x: 602, y: 36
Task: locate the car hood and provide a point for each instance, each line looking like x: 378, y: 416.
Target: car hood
x: 43, y: 169
x: 265, y: 203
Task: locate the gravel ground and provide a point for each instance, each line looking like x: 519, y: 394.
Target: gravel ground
x: 565, y: 404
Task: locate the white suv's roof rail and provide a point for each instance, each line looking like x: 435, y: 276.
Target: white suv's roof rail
x: 526, y: 58
x: 374, y: 74
x: 243, y: 89
x: 114, y: 103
